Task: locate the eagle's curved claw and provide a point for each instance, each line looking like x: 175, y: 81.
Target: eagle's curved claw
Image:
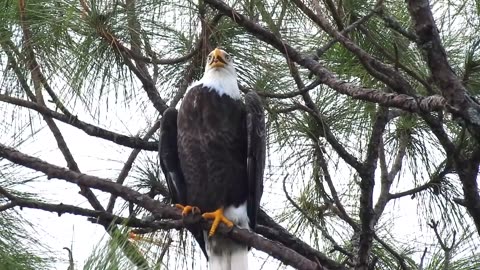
x: 186, y: 209
x: 217, y: 217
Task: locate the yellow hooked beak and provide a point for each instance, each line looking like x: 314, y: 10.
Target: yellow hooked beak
x: 217, y: 59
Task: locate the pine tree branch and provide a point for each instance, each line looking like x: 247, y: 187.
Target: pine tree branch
x: 410, y: 192
x: 324, y: 232
x: 375, y: 67
x: 378, y: 128
x: 94, y: 216
x: 395, y: 59
x: 392, y: 23
x: 270, y: 229
x: 7, y: 206
x: 461, y: 104
x: 388, y: 177
x: 332, y: 140
x: 336, y: 17
x: 405, y: 102
x: 139, y: 69
x: 344, y: 32
x: 292, y: 94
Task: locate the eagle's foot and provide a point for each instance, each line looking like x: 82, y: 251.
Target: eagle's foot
x: 217, y: 217
x: 186, y: 209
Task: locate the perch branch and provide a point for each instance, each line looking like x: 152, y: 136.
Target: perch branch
x: 158, y: 209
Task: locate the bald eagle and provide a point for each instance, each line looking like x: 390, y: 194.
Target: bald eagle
x: 212, y: 152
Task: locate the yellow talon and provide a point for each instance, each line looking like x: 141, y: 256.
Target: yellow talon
x: 217, y: 217
x: 187, y: 209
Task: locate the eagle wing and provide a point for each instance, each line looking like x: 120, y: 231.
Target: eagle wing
x: 170, y: 164
x: 256, y: 153
x: 168, y: 153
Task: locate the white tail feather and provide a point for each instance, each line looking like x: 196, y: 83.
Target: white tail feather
x: 227, y: 255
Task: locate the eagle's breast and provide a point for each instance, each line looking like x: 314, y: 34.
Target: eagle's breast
x: 212, y: 144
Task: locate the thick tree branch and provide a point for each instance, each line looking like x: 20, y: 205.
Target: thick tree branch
x: 462, y: 105
x: 53, y: 171
x: 336, y: 16
x: 378, y: 128
x: 367, y: 183
x: 7, y: 206
x: 272, y: 230
x: 443, y: 75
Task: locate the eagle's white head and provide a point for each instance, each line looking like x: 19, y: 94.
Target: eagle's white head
x: 220, y: 74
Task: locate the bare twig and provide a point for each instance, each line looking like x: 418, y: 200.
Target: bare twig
x: 447, y: 249
x: 71, y: 265
x: 420, y: 266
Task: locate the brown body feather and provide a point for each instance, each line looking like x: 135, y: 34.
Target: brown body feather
x: 212, y: 147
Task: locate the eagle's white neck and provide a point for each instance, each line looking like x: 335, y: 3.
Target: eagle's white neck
x: 222, y: 81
